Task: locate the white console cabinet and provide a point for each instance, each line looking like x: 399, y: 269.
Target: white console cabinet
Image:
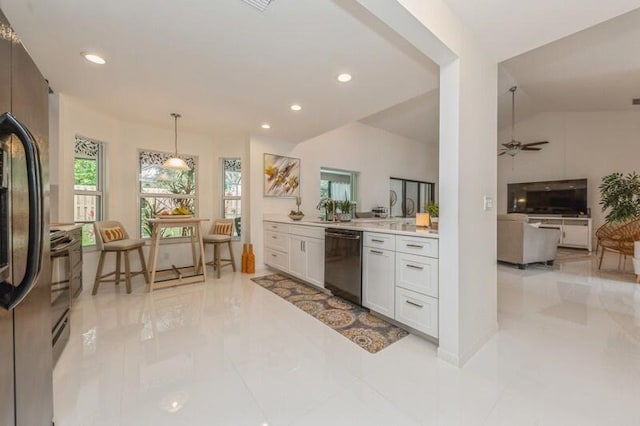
x: 575, y: 232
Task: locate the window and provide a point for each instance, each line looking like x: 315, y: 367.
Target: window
x: 87, y: 186
x: 232, y: 192
x: 164, y: 191
x: 338, y: 184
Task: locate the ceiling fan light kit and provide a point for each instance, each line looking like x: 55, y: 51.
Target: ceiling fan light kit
x: 514, y: 147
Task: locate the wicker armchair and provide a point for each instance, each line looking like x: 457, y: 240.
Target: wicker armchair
x: 618, y: 239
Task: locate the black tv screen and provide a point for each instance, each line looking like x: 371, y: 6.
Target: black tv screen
x: 557, y: 197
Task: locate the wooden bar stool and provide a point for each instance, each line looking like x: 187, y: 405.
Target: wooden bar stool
x: 111, y: 237
x: 219, y: 235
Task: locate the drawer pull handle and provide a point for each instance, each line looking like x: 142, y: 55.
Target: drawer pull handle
x: 274, y: 237
x: 420, y: 268
x: 414, y: 304
x: 375, y: 252
x: 414, y: 246
x: 274, y: 255
x: 377, y: 241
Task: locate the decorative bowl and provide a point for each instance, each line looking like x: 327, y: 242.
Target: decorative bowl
x: 296, y: 216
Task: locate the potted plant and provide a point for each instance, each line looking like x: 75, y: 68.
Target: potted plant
x: 434, y: 212
x: 345, y: 210
x: 620, y: 195
x: 297, y: 214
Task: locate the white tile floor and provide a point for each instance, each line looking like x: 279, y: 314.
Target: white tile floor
x: 228, y: 352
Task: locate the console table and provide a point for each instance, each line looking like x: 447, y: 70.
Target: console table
x: 177, y: 276
x: 575, y: 232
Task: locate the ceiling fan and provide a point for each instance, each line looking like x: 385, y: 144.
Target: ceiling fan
x: 514, y: 147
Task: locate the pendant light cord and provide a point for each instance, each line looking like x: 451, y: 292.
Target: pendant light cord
x: 175, y: 131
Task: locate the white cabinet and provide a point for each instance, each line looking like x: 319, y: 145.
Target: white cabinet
x: 575, y: 232
x: 297, y: 257
x: 315, y: 261
x: 306, y: 259
x: 417, y: 273
x: 378, y: 288
x: 295, y: 249
x: 417, y: 311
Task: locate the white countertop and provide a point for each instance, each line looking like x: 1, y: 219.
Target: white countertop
x: 397, y: 226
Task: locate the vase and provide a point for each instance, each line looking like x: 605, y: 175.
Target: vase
x: 251, y: 261
x: 245, y: 254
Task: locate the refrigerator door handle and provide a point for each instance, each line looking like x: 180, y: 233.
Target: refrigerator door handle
x: 10, y: 295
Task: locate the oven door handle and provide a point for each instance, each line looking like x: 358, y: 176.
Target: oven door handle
x: 10, y: 295
x: 342, y: 236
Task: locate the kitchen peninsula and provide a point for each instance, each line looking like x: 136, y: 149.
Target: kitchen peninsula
x: 397, y: 260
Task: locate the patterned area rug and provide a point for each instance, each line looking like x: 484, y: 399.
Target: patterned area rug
x: 352, y: 321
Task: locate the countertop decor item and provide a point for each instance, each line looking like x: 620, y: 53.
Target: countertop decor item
x: 434, y: 212
x: 422, y: 220
x: 281, y: 176
x: 175, y: 162
x: 353, y: 322
x: 294, y: 215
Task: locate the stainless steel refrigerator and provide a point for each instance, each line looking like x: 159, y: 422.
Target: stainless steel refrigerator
x: 26, y: 395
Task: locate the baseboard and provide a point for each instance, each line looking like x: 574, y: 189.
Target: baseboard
x: 460, y: 361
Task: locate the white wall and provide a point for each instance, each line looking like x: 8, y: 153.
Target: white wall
x: 122, y: 141
x: 581, y: 145
x: 468, y: 127
x: 376, y: 154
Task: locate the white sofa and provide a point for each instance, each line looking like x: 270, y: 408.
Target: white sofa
x: 521, y: 243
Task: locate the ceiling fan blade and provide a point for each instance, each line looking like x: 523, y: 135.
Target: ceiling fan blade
x: 535, y: 143
x: 527, y: 148
x: 502, y: 153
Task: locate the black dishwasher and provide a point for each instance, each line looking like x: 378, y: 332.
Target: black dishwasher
x: 343, y: 263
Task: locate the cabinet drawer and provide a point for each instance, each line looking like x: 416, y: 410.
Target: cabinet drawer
x: 276, y: 259
x: 417, y: 273
x: 276, y: 241
x: 383, y: 241
x: 307, y: 231
x: 276, y: 227
x: 417, y: 311
x: 417, y: 245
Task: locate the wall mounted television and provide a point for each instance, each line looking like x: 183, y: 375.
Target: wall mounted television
x: 556, y: 197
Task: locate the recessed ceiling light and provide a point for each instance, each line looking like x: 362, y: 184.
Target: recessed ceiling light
x: 344, y: 78
x: 295, y: 107
x: 266, y: 126
x: 92, y: 57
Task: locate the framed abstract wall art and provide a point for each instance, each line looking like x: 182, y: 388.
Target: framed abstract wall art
x: 281, y: 176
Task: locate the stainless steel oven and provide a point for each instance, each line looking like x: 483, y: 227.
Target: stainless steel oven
x: 343, y: 263
x: 62, y: 248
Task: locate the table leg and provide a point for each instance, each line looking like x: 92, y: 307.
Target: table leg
x: 202, y: 265
x: 193, y: 250
x: 153, y: 254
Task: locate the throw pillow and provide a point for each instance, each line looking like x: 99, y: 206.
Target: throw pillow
x: 536, y: 224
x: 112, y: 234
x: 223, y: 228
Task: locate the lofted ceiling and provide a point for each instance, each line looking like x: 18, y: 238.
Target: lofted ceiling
x: 597, y: 69
x: 225, y: 66
x: 508, y: 28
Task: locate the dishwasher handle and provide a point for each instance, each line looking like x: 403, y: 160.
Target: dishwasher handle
x: 343, y: 236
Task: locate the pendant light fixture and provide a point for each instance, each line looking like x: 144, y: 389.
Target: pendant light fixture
x: 175, y: 162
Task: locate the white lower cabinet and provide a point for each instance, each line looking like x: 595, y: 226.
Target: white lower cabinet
x: 297, y: 250
x: 417, y: 273
x: 315, y: 261
x: 378, y: 272
x: 417, y: 311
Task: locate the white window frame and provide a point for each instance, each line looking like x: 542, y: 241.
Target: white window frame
x: 193, y: 159
x: 225, y: 197
x: 100, y: 190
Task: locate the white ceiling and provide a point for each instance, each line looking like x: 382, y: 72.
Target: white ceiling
x: 597, y: 69
x: 224, y: 65
x: 417, y: 119
x: 510, y: 27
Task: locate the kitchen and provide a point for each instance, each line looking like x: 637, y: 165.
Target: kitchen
x: 366, y: 153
